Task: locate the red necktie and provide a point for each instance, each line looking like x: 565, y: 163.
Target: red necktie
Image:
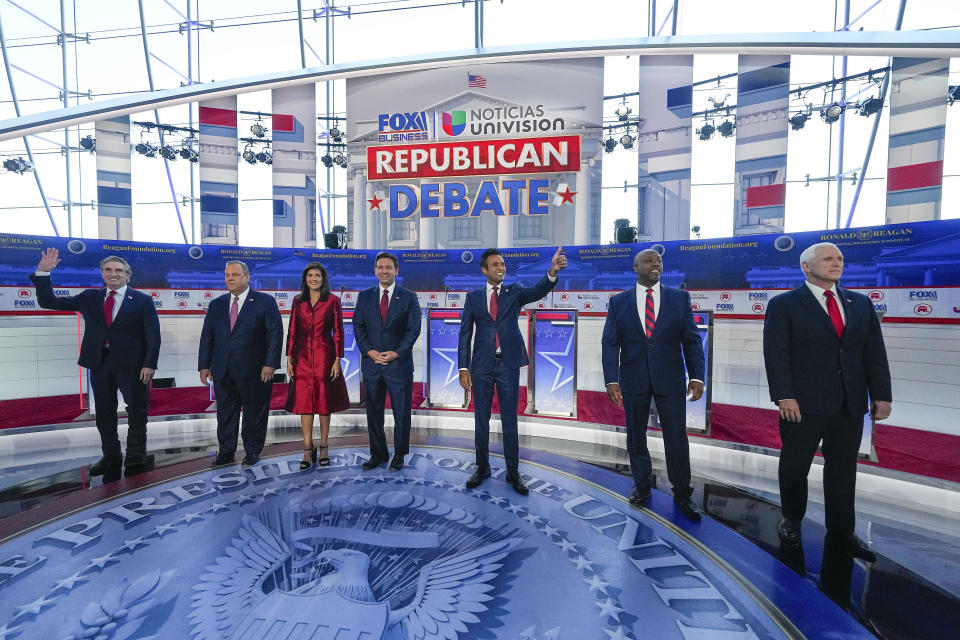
x: 650, y: 317
x: 234, y: 312
x: 108, y: 308
x: 384, y: 303
x: 494, y: 303
x: 834, y: 310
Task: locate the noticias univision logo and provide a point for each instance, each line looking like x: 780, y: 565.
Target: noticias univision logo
x: 454, y: 122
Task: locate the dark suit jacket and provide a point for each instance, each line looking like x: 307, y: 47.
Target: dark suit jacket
x: 806, y: 361
x: 134, y: 334
x: 255, y: 342
x: 475, y: 314
x: 639, y: 364
x: 399, y: 333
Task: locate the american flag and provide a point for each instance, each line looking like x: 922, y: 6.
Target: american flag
x: 476, y: 81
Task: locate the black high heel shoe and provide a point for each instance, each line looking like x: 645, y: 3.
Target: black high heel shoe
x: 325, y: 458
x: 306, y: 464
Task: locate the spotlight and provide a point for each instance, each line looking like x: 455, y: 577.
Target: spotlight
x: 799, y: 119
x: 953, y: 94
x: 265, y: 156
x: 623, y: 112
x: 17, y: 165
x: 870, y: 106
x: 89, y: 143
x: 327, y: 160
x: 258, y: 129
x: 187, y: 152
x: 146, y: 149
x: 609, y: 144
x: 335, y: 134
x: 340, y: 160
x: 249, y: 155
x: 831, y: 113
x: 168, y: 153
x: 627, y: 140
x: 706, y: 131
x: 726, y: 128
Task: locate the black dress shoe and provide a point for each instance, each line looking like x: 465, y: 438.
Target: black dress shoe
x: 250, y: 459
x: 513, y: 477
x: 688, y: 508
x: 373, y: 463
x: 640, y: 497
x: 222, y: 459
x: 478, y: 477
x: 106, y: 464
x: 397, y: 463
x: 858, y: 548
x: 789, y: 532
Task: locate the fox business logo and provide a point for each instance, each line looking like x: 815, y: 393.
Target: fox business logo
x: 758, y: 295
x: 181, y: 294
x: 157, y: 303
x: 923, y: 295
x: 880, y: 308
x: 724, y: 306
x: 725, y: 296
x: 403, y: 127
x: 875, y: 295
x: 61, y: 292
x: 923, y: 309
x: 281, y: 295
x: 30, y: 304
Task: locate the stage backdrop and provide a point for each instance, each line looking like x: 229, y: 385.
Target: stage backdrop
x: 504, y: 154
x: 910, y: 271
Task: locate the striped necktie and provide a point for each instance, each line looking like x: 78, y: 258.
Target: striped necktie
x: 650, y: 317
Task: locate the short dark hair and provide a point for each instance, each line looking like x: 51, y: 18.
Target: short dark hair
x: 387, y: 254
x: 487, y: 254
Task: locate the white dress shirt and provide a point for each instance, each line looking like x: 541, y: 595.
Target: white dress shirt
x: 822, y: 299
x: 389, y: 293
x: 117, y: 300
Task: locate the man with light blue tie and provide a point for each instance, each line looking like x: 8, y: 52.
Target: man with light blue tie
x: 497, y: 356
x: 648, y: 337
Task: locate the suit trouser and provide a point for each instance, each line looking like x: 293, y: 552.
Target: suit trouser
x: 507, y: 383
x: 841, y: 436
x: 106, y: 380
x: 673, y: 422
x: 253, y: 397
x: 401, y: 392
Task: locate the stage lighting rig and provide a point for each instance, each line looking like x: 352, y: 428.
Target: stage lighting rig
x: 623, y: 112
x: 249, y: 155
x: 187, y: 152
x: 327, y: 160
x: 167, y: 152
x: 340, y: 160
x: 627, y: 140
x: 706, y: 131
x: 88, y: 143
x: 870, y: 106
x: 265, y: 156
x: 798, y: 120
x: 258, y: 129
x: 146, y: 149
x: 832, y: 112
x: 17, y: 165
x: 726, y: 128
x: 335, y: 134
x: 609, y: 144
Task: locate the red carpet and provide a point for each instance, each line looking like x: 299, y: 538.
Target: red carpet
x: 920, y: 452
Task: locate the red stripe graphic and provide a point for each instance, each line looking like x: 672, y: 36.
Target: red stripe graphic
x: 283, y: 122
x: 218, y: 117
x: 554, y: 316
x: 444, y: 314
x: 766, y: 196
x: 915, y: 176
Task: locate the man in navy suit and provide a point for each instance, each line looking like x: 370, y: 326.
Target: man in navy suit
x: 497, y: 356
x: 240, y: 347
x: 648, y: 336
x: 121, y: 344
x: 386, y: 323
x: 825, y: 359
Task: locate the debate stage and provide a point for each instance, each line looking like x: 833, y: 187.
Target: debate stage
x: 338, y: 553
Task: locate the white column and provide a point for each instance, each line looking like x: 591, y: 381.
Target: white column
x: 370, y: 217
x: 360, y: 209
x: 581, y: 220
x: 427, y: 237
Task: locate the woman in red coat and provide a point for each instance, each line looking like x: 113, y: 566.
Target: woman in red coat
x: 314, y: 349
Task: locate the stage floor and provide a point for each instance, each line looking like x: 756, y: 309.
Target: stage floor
x: 270, y: 551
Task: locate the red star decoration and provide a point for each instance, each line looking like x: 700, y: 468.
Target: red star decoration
x: 567, y: 196
x: 375, y: 202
